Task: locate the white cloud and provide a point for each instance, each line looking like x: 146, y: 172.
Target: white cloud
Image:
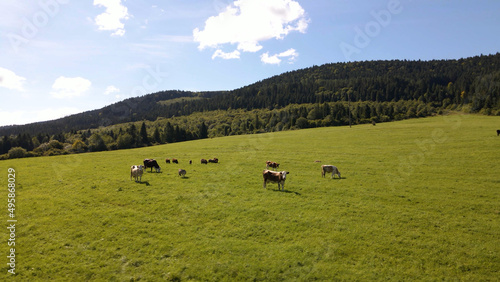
x: 10, y: 80
x: 233, y: 55
x: 69, y: 87
x: 274, y: 60
x: 291, y: 54
x: 248, y: 22
x: 111, y: 89
x: 111, y: 19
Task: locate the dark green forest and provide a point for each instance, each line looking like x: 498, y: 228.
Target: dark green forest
x: 369, y: 92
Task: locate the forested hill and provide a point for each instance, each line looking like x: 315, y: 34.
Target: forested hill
x: 474, y: 82
x: 132, y: 109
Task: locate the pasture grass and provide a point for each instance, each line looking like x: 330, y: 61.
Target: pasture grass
x: 418, y: 200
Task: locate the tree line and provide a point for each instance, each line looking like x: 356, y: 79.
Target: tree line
x: 208, y: 125
x: 377, y: 91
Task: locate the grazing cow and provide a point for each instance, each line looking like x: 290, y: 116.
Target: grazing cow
x: 167, y: 161
x: 190, y: 161
x: 330, y: 168
x: 182, y: 172
x: 203, y: 161
x: 270, y: 164
x: 276, y: 177
x: 214, y: 160
x: 498, y: 132
x: 152, y: 164
x: 136, y: 172
x: 175, y: 161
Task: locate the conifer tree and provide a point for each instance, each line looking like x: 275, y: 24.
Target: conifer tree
x: 144, y: 134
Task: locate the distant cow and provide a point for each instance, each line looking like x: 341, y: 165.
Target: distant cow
x: 498, y: 132
x: 203, y: 161
x: 136, y: 172
x: 175, y: 161
x: 190, y: 161
x: 275, y: 177
x: 330, y: 169
x: 167, y: 161
x: 152, y: 164
x: 270, y: 164
x: 214, y: 160
x: 182, y: 172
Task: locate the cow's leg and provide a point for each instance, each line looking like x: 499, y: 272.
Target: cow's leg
x: 264, y: 184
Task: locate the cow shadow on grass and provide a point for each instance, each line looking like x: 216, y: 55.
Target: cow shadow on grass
x: 288, y: 191
x: 144, y: 182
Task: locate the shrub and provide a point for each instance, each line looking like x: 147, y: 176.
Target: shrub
x: 56, y: 144
x: 302, y: 123
x: 79, y: 146
x: 17, y: 152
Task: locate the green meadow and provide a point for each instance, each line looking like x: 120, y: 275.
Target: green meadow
x: 418, y: 200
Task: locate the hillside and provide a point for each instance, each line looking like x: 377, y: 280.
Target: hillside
x: 418, y: 201
x: 379, y: 91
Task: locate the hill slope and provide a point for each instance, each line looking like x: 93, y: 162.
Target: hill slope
x: 473, y: 81
x: 418, y: 200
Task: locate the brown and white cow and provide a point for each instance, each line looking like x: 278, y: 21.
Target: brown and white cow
x: 275, y: 177
x: 136, y: 172
x: 175, y: 161
x: 330, y: 169
x: 270, y: 164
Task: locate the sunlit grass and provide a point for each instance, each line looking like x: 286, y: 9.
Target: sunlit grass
x: 418, y: 199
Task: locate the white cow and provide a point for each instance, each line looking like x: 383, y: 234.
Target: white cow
x: 136, y: 172
x: 330, y: 168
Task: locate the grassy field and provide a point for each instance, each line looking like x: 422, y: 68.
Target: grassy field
x: 418, y: 200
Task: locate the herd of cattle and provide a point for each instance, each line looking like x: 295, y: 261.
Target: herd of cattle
x: 279, y: 177
x: 136, y: 171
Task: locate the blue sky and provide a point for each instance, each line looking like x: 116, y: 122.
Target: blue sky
x: 60, y: 57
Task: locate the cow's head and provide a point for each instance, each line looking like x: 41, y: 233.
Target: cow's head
x: 157, y: 169
x: 283, y: 174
